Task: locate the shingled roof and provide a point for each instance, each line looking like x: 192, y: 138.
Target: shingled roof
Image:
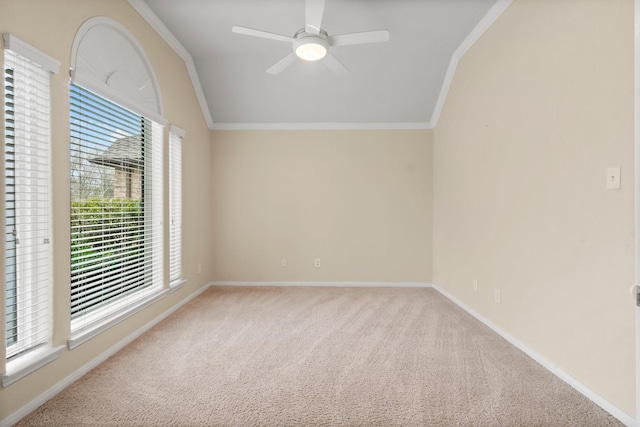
x: 125, y: 152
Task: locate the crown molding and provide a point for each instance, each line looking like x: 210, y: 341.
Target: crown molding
x: 145, y: 11
x: 494, y: 13
x: 323, y: 126
x: 475, y: 34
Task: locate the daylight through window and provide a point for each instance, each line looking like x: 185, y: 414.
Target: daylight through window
x: 175, y: 204
x: 27, y: 195
x: 116, y: 208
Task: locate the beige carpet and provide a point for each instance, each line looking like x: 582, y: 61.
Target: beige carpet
x: 320, y: 357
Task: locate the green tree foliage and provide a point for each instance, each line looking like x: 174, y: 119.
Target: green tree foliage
x: 107, y: 246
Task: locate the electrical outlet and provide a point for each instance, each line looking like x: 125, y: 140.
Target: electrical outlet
x: 496, y: 296
x: 199, y: 268
x: 475, y: 285
x: 317, y: 264
x: 283, y: 262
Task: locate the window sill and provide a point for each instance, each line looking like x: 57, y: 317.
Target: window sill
x: 85, y: 334
x: 30, y: 362
x: 176, y: 284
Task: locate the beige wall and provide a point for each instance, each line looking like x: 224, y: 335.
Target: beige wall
x: 540, y: 106
x: 358, y: 200
x: 51, y: 27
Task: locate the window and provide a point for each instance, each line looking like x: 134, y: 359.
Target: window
x: 26, y: 203
x: 27, y: 122
x: 116, y: 210
x: 116, y: 179
x: 175, y: 206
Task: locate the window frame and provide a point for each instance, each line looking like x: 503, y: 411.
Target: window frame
x: 36, y: 349
x: 176, y: 137
x: 108, y: 60
x: 109, y: 311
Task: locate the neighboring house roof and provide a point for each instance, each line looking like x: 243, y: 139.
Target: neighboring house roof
x: 124, y: 152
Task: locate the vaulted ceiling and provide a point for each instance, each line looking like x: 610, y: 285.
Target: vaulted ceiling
x: 393, y: 84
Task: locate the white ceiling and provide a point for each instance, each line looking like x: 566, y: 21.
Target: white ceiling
x: 395, y: 83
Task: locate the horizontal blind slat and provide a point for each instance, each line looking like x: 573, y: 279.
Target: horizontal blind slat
x: 115, y: 176
x: 175, y: 203
x: 27, y: 203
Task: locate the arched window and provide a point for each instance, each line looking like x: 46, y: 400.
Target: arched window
x: 27, y: 147
x: 108, y: 60
x: 116, y: 178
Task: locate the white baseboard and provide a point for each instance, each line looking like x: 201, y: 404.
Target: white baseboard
x: 61, y: 385
x: 64, y: 383
x: 331, y: 284
x: 586, y: 391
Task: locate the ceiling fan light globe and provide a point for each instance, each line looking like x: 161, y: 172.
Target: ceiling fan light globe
x: 310, y: 48
x: 311, y: 52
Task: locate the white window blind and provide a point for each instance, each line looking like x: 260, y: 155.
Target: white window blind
x: 116, y: 209
x: 175, y: 204
x: 27, y: 198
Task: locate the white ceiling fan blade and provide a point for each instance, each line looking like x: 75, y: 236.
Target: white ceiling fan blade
x: 259, y: 33
x: 314, y: 9
x: 378, y: 36
x: 334, y: 65
x: 282, y: 64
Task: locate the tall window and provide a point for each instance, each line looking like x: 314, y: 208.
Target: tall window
x: 175, y: 205
x: 116, y: 209
x: 27, y: 195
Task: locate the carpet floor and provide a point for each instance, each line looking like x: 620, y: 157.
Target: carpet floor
x: 319, y: 357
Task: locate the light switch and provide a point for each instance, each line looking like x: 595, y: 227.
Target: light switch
x: 613, y: 178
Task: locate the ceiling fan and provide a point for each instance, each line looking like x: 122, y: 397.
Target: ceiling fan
x: 312, y: 43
